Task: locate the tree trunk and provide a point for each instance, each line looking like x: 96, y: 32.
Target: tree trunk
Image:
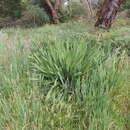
x: 87, y: 4
x: 58, y: 4
x: 54, y: 12
x: 107, y: 12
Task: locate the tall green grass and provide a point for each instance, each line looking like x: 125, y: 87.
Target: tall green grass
x: 78, y: 71
x: 68, y: 81
x: 65, y: 63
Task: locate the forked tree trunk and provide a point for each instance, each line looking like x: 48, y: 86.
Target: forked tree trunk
x: 107, y: 12
x: 87, y: 4
x: 54, y: 12
x: 58, y: 4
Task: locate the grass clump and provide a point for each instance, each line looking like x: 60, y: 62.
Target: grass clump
x: 65, y: 62
x: 78, y: 72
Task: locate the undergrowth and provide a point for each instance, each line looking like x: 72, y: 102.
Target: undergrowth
x: 57, y: 77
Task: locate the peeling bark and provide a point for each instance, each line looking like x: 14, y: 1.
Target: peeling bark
x: 58, y: 4
x: 54, y: 12
x: 108, y: 11
x: 87, y: 4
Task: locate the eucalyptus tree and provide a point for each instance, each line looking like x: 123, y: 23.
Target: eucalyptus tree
x: 107, y: 12
x: 54, y: 6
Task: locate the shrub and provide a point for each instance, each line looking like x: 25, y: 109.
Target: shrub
x: 73, y: 10
x: 127, y: 4
x: 10, y: 8
x: 77, y: 9
x: 35, y: 15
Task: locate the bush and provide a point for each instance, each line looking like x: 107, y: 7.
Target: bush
x: 73, y: 10
x: 127, y: 4
x: 10, y: 8
x: 35, y: 15
x: 77, y: 9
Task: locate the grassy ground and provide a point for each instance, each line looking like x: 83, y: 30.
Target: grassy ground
x: 25, y: 106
